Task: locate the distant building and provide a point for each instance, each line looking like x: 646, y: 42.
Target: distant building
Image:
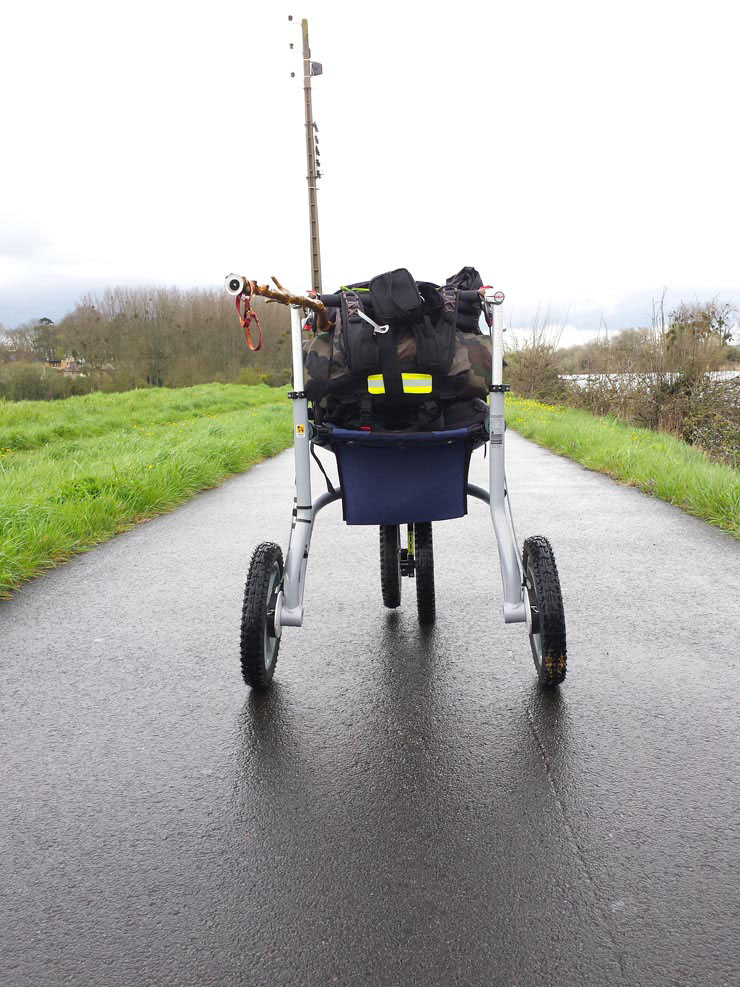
x: 69, y: 366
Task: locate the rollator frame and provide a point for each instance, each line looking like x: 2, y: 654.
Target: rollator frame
x: 288, y: 608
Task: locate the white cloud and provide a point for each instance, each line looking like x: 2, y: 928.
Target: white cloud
x: 581, y: 155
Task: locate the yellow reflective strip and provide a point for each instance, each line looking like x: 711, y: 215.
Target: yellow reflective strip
x: 417, y: 383
x: 412, y: 383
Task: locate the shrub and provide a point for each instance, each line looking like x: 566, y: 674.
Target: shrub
x: 663, y: 377
x: 277, y: 378
x: 250, y: 376
x: 532, y: 364
x: 23, y: 381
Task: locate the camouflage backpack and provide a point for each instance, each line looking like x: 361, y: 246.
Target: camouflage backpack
x: 399, y: 354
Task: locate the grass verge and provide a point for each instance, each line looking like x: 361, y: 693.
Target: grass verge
x: 75, y: 472
x: 656, y: 463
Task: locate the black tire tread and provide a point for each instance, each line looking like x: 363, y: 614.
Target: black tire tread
x: 254, y: 611
x: 538, y: 551
x: 390, y: 572
x: 424, y: 555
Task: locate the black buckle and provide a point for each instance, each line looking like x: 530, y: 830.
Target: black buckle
x: 408, y: 563
x: 296, y: 395
x: 498, y: 388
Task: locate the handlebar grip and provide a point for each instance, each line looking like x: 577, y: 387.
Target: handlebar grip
x: 467, y: 297
x: 331, y: 301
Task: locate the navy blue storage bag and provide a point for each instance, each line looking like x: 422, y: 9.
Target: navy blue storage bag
x: 392, y: 478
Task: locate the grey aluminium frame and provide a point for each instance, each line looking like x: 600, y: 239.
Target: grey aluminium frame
x: 289, y: 609
x: 500, y: 506
x: 289, y: 605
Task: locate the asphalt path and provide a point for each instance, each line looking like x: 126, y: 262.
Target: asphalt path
x: 405, y: 806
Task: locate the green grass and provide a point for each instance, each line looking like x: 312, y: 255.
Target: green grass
x: 32, y: 424
x: 75, y: 472
x: 656, y: 463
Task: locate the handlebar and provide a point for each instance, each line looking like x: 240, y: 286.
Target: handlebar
x: 331, y: 301
x: 334, y: 301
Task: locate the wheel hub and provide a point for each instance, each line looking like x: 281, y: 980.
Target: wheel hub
x: 274, y: 611
x: 531, y: 611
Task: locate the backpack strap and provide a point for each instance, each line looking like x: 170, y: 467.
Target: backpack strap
x: 351, y: 303
x: 435, y: 341
x: 450, y: 296
x: 371, y: 344
x: 354, y: 345
x: 366, y: 413
x: 390, y: 365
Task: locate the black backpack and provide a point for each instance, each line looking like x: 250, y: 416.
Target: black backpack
x: 388, y: 330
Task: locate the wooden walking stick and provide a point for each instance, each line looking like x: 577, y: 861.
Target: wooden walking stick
x: 245, y: 289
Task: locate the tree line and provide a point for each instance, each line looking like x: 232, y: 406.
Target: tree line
x: 142, y: 337
x: 693, y: 339
x: 665, y: 376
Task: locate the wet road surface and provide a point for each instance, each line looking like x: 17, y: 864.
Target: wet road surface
x: 405, y: 807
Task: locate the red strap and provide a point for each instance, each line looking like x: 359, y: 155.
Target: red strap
x: 246, y: 319
x: 489, y: 320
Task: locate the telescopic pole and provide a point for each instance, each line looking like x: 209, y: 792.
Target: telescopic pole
x: 313, y: 208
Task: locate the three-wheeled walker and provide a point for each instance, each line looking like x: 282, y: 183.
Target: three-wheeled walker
x: 390, y: 480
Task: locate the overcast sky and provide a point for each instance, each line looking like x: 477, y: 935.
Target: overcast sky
x: 582, y: 155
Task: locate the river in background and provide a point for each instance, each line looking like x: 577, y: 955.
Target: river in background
x: 633, y: 381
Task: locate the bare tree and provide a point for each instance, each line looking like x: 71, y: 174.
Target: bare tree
x: 169, y: 337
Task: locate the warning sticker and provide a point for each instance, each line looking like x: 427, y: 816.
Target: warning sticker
x: 300, y: 430
x: 497, y: 427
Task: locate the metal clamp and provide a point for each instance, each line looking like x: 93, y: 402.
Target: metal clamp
x: 376, y: 327
x: 296, y: 395
x: 498, y: 388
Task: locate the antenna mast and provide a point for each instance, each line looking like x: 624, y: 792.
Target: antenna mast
x: 312, y: 157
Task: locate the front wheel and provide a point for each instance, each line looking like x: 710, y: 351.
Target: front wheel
x: 424, y: 564
x: 390, y: 565
x: 544, y: 606
x: 259, y: 642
